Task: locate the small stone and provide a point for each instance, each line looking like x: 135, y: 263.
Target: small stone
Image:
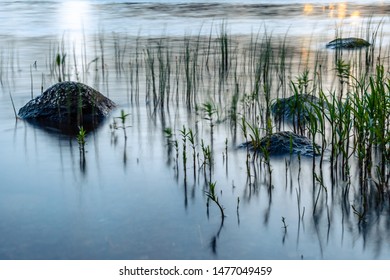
x: 283, y: 143
x: 347, y: 43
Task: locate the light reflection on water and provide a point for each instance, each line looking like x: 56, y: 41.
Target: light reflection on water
x: 151, y: 18
x: 129, y: 201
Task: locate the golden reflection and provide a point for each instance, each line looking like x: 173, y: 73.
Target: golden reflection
x: 305, y: 54
x: 341, y: 10
x: 355, y: 14
x: 331, y: 8
x: 308, y: 9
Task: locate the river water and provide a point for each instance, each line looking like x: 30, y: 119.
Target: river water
x: 134, y: 198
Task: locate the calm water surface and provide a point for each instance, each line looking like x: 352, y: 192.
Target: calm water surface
x: 129, y: 199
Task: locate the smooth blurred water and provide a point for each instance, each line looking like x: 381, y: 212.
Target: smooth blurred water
x: 128, y: 201
x: 52, y: 18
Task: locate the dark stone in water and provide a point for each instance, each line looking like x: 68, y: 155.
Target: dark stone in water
x: 347, y: 43
x: 283, y: 143
x: 66, y: 106
x: 295, y: 108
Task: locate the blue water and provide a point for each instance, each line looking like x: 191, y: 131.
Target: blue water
x: 128, y: 201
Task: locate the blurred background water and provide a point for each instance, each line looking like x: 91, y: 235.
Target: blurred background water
x: 52, y: 18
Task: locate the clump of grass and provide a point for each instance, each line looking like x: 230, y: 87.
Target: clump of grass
x: 209, y: 110
x: 123, y: 126
x: 191, y: 139
x: 191, y: 71
x: 224, y: 50
x: 168, y: 134
x: 207, y: 159
x: 343, y: 73
x: 81, y: 140
x: 82, y: 133
x: 211, y: 194
x: 255, y: 138
x: 184, y: 134
x: 258, y: 145
x: 61, y: 64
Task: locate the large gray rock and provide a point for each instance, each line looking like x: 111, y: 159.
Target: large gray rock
x: 283, y: 143
x: 67, y: 106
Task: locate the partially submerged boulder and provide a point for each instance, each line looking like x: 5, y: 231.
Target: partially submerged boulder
x: 347, y: 43
x: 296, y: 108
x: 66, y: 106
x: 283, y: 143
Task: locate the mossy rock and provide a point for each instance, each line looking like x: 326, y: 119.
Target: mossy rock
x: 66, y: 106
x: 283, y: 143
x: 347, y: 43
x: 296, y: 108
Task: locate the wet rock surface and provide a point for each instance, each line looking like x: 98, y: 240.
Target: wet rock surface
x: 295, y: 108
x: 347, y: 43
x: 66, y: 106
x: 283, y: 143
